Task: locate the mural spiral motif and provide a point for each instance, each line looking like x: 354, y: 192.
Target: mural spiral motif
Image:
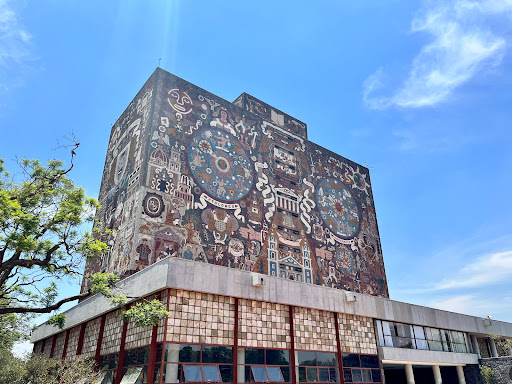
x: 220, y: 165
x: 338, y: 208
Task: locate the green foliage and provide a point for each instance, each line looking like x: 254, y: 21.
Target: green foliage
x: 11, y: 368
x: 42, y: 240
x: 58, y: 320
x: 487, y: 374
x: 13, y: 328
x: 146, y: 313
x: 39, y: 369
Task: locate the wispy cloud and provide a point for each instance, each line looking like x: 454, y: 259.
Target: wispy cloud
x: 462, y: 45
x: 472, y: 305
x: 489, y: 269
x: 15, y: 42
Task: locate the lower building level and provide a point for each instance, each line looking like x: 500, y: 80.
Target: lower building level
x: 231, y: 326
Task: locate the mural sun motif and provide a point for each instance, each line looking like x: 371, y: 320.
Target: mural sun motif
x: 338, y: 208
x: 220, y: 165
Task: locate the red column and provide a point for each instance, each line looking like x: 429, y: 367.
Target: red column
x: 81, y: 339
x: 65, y: 345
x: 120, y: 360
x: 53, y: 346
x: 235, y: 346
x: 338, y: 345
x: 97, y: 355
x: 292, y: 351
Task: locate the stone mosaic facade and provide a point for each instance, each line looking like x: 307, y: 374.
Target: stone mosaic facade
x: 191, y: 175
x: 314, y: 330
x: 357, y: 334
x: 112, y: 333
x: 60, y: 341
x: 263, y: 325
x: 74, y: 334
x: 200, y: 318
x: 501, y: 367
x: 92, y: 331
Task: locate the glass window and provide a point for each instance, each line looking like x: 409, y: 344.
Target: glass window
x: 306, y: 358
x: 357, y: 376
x: 350, y: 360
x: 327, y: 359
x: 130, y: 358
x: 419, y: 332
x: 274, y: 374
x: 190, y: 353
x: 323, y: 374
x: 192, y: 373
x: 226, y: 373
x: 254, y: 356
x: 347, y: 375
x: 143, y: 356
x: 433, y: 334
x: 132, y: 375
x: 376, y: 376
x: 302, y: 374
x: 211, y: 373
x: 367, y: 375
x: 421, y: 344
x: 260, y: 374
x: 435, y: 345
x: 369, y: 361
x: 217, y: 355
x: 312, y: 374
x: 386, y: 328
x: 277, y: 357
x: 378, y: 325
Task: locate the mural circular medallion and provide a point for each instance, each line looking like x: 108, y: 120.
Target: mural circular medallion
x: 220, y: 165
x: 153, y: 204
x: 338, y: 208
x: 346, y: 261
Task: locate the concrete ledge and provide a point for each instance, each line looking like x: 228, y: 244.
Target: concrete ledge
x: 209, y: 278
x: 419, y: 357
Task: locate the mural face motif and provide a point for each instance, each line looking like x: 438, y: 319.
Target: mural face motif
x: 220, y: 165
x: 180, y: 101
x: 192, y: 176
x: 338, y: 208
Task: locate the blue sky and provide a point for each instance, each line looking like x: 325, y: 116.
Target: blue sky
x: 417, y: 90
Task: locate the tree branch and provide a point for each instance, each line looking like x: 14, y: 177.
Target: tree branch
x: 48, y: 309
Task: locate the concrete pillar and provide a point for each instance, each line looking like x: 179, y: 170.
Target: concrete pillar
x: 476, y: 349
x: 241, y: 367
x: 409, y: 374
x: 460, y: 374
x: 437, y: 374
x: 173, y: 356
x: 492, y: 344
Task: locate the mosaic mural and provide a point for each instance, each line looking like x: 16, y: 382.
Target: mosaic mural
x: 191, y: 175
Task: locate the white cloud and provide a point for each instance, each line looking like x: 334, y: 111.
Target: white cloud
x: 14, y: 42
x: 462, y: 45
x: 472, y: 305
x: 487, y: 270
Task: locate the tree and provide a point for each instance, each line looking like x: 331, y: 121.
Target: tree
x: 40, y: 369
x: 42, y: 216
